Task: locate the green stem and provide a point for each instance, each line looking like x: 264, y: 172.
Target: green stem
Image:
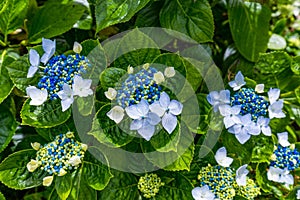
x: 2, y: 59
x: 2, y: 43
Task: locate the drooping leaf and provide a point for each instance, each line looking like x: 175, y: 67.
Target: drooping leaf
x: 192, y: 18
x: 14, y: 173
x: 249, y: 25
x: 12, y: 14
x: 45, y: 116
x: 112, y: 12
x: 53, y: 19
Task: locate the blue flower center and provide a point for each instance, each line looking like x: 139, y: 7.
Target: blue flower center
x: 62, y: 69
x: 286, y: 158
x: 137, y: 87
x: 250, y: 102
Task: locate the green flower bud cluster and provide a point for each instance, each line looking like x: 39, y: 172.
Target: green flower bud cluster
x: 249, y: 191
x: 149, y: 185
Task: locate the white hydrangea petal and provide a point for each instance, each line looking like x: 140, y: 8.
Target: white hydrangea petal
x: 259, y: 88
x: 47, y: 181
x: 156, y: 108
x: 74, y: 161
x: 202, y: 193
x: 169, y: 122
x: 164, y: 100
x: 32, y: 165
x: 111, y: 93
x: 283, y: 139
x: 275, y: 109
x: 287, y: 179
x: 143, y: 107
x: 298, y: 194
x: 225, y: 110
x: 35, y: 145
x: 136, y: 124
x: 31, y: 71
x: 116, y: 114
x: 132, y: 112
x: 66, y: 103
x: 266, y: 130
x: 229, y: 121
x: 273, y: 95
x: 242, y: 137
x: 225, y: 96
x: 38, y: 97
x: 169, y: 72
x: 238, y: 81
x: 146, y: 131
x: 175, y: 107
x: 153, y: 118
x: 253, y: 129
x: 81, y: 87
x: 158, y: 77
x: 273, y: 174
x: 77, y: 48
x: 221, y: 157
x: 49, y: 48
x: 212, y: 97
x: 130, y: 69
x: 241, y: 175
x: 245, y: 119
x: 34, y: 58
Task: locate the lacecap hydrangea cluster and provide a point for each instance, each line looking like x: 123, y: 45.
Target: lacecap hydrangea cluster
x: 58, y: 157
x: 245, y: 110
x: 142, y: 98
x: 61, y: 75
x: 149, y: 185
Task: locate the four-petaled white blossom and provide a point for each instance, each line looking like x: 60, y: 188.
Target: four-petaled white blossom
x: 49, y: 49
x: 221, y: 157
x: 259, y: 88
x: 38, y: 97
x: 203, y: 193
x: 216, y: 99
x: 263, y: 124
x: 47, y: 181
x: 230, y: 115
x: 283, y: 139
x: 32, y: 165
x: 280, y: 175
x: 245, y: 129
x: 111, y: 93
x: 298, y: 194
x: 158, y: 77
x: 238, y: 81
x: 169, y: 72
x: 116, y: 114
x: 77, y: 48
x: 74, y: 161
x: 168, y: 110
x: 82, y: 87
x: 143, y: 120
x: 66, y: 96
x: 34, y: 59
x: 241, y: 175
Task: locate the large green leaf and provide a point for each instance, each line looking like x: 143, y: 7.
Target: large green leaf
x: 45, y: 116
x: 8, y: 125
x: 5, y: 82
x: 2, y: 196
x: 122, y: 186
x: 111, y: 76
x: 12, y: 14
x: 149, y: 15
x: 112, y: 12
x: 53, y: 19
x: 63, y: 185
x: 249, y: 25
x: 193, y: 18
x: 17, y: 71
x: 14, y: 173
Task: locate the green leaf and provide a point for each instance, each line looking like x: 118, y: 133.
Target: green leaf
x: 2, y: 197
x: 44, y: 116
x: 17, y: 71
x: 263, y: 147
x: 149, y: 15
x: 97, y: 176
x: 14, y: 173
x: 293, y: 194
x: 192, y: 18
x: 108, y: 132
x: 8, y: 125
x: 53, y: 19
x: 111, y: 76
x: 112, y: 12
x: 63, y: 185
x: 12, y: 14
x: 249, y: 25
x: 5, y: 82
x: 122, y: 186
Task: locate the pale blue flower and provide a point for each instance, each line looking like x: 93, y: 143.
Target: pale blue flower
x: 241, y: 175
x: 38, y: 97
x: 230, y: 115
x: 280, y: 176
x: 273, y: 95
x: 66, y: 96
x: 217, y: 99
x: 49, y: 49
x: 263, y: 124
x: 275, y: 109
x: 116, y: 114
x: 283, y: 139
x: 245, y: 129
x: 168, y: 110
x: 82, y: 87
x: 238, y: 81
x: 143, y: 120
x: 203, y: 193
x: 221, y: 157
x: 34, y: 59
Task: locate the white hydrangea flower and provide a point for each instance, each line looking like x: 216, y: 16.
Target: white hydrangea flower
x: 62, y: 172
x: 74, y: 161
x: 82, y: 87
x: 77, y: 48
x: 230, y: 114
x: 238, y: 81
x: 116, y: 114
x: 283, y: 139
x: 221, y: 157
x: 47, y: 181
x: 169, y: 72
x: 49, y: 49
x: 259, y: 88
x: 34, y: 59
x: 158, y: 77
x: 241, y: 175
x: 203, y: 193
x: 66, y: 96
x: 36, y: 146
x: 32, y: 165
x: 111, y: 93
x: 298, y: 194
x: 217, y: 99
x: 130, y: 69
x: 38, y: 97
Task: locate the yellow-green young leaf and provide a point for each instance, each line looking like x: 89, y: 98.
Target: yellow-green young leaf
x: 2, y: 196
x: 53, y: 19
x: 12, y: 14
x: 63, y: 186
x: 44, y: 116
x: 14, y: 173
x: 192, y: 18
x: 112, y: 12
x: 249, y: 25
